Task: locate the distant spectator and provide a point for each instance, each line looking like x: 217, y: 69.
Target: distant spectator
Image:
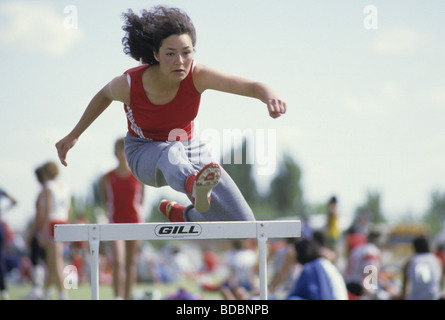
x: 123, y: 195
x: 440, y: 254
x: 210, y: 260
x: 326, y: 252
x: 3, y: 237
x: 354, y: 239
x: 284, y: 266
x: 53, y: 207
x: 320, y: 279
x: 36, y: 248
x: 241, y: 263
x: 360, y: 260
x: 333, y: 232
x: 422, y: 273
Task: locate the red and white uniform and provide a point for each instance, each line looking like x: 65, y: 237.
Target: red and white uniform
x: 124, y: 196
x: 161, y: 122
x: 367, y: 254
x: 60, y: 204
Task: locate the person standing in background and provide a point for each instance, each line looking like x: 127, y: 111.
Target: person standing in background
x: 363, y: 256
x: 422, y: 273
x: 53, y: 207
x: 319, y: 279
x: 36, y: 247
x: 12, y: 202
x: 123, y: 196
x: 333, y: 232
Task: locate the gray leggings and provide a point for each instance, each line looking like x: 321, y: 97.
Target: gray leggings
x: 161, y: 163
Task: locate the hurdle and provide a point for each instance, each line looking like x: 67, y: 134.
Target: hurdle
x: 95, y: 233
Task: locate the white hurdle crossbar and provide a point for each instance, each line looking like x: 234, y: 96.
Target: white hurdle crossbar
x: 95, y: 233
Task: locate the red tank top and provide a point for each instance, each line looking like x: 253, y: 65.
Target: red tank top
x: 171, y: 121
x: 124, y: 198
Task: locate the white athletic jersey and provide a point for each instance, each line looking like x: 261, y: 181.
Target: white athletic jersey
x: 361, y: 257
x: 241, y: 263
x: 424, y: 273
x: 339, y: 290
x: 61, y: 200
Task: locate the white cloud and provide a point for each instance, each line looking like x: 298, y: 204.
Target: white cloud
x: 434, y: 95
x: 36, y: 27
x: 400, y: 41
x: 13, y: 167
x: 386, y: 98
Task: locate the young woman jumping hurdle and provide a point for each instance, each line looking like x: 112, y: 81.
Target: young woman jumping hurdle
x: 161, y: 100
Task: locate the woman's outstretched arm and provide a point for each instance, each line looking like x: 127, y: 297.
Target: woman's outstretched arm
x: 207, y: 78
x: 117, y: 89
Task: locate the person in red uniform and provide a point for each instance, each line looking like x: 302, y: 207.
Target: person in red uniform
x: 161, y: 100
x: 123, y: 195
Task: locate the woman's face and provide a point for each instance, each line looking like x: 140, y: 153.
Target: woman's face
x: 175, y: 56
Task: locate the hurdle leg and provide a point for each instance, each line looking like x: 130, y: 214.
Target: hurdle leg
x: 94, y: 241
x: 262, y: 259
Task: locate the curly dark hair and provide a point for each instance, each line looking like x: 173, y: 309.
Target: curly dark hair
x: 145, y: 33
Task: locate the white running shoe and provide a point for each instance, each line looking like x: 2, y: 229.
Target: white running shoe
x: 206, y: 179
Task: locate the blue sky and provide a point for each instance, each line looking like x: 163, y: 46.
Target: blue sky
x: 366, y: 107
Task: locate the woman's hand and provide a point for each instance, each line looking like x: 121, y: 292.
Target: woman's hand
x: 63, y: 146
x: 276, y: 107
x: 97, y: 105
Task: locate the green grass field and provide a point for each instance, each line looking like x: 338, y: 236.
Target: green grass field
x: 18, y: 292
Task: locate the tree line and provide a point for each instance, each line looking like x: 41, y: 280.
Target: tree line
x: 284, y: 197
